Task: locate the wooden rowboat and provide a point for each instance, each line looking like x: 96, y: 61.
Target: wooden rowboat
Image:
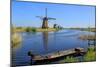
x: 57, y: 54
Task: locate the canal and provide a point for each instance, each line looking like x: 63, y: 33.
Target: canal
x: 46, y: 42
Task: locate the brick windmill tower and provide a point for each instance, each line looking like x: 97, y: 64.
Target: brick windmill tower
x: 45, y: 20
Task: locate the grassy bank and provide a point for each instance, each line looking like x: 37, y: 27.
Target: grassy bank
x: 71, y: 59
x: 84, y: 29
x: 89, y: 56
x: 15, y: 39
x: 42, y: 30
x: 32, y: 29
x: 87, y: 37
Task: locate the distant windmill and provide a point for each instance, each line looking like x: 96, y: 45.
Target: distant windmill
x: 45, y: 19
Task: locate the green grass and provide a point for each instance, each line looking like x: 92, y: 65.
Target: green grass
x: 90, y: 55
x: 70, y: 59
x: 30, y: 29
x: 43, y: 30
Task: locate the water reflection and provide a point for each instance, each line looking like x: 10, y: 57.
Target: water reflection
x: 45, y: 40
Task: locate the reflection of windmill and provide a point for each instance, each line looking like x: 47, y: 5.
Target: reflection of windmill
x: 45, y: 40
x: 45, y: 19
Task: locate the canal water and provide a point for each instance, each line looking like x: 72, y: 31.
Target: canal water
x: 41, y: 43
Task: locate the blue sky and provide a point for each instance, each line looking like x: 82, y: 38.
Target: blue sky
x: 24, y: 14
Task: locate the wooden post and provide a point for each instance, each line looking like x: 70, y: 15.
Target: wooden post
x: 31, y: 61
x: 31, y: 55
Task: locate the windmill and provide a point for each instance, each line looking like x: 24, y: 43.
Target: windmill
x: 45, y: 20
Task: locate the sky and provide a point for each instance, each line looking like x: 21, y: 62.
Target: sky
x: 67, y: 15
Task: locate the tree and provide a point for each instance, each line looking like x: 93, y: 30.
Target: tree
x: 55, y: 26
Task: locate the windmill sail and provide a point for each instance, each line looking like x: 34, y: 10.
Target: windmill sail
x: 45, y: 19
